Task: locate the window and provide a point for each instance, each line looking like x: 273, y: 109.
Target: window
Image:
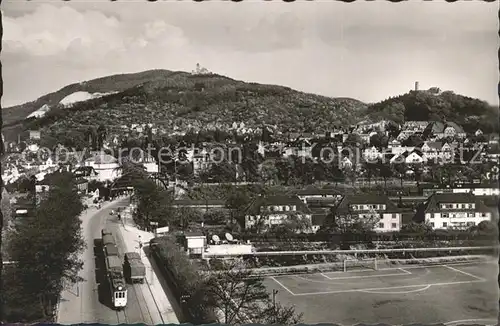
x: 470, y: 215
x: 381, y: 225
x: 483, y: 214
x: 393, y: 225
x: 445, y: 215
x: 432, y: 224
x: 445, y: 224
x: 394, y: 216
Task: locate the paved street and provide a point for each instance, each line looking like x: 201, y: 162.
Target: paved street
x: 85, y: 302
x: 155, y: 290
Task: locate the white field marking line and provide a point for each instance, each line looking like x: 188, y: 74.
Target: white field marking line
x: 469, y: 320
x: 404, y: 270
x: 398, y: 292
x: 325, y: 276
x: 330, y: 283
x: 366, y: 276
x: 281, y: 284
x: 461, y: 321
x: 387, y: 288
x: 355, y: 271
x: 465, y: 273
x: 440, y: 265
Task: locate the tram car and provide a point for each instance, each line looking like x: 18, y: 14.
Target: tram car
x: 114, y: 269
x: 105, y: 232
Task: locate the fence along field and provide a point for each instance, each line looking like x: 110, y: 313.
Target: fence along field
x: 290, y: 262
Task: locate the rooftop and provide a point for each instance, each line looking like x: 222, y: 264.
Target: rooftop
x: 366, y: 199
x: 102, y: 158
x: 432, y: 204
x: 317, y: 191
x: 277, y: 200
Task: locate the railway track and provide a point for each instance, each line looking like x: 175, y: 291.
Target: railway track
x: 140, y: 298
x: 136, y: 288
x: 124, y: 319
x: 151, y: 292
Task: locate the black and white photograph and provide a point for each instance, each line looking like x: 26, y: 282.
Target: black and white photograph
x: 254, y: 162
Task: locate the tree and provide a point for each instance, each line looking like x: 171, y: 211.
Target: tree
x: 413, y: 141
x: 154, y: 204
x: 221, y: 172
x: 237, y: 294
x: 401, y: 169
x: 379, y: 140
x: 371, y: 171
x: 416, y: 228
x: 216, y: 217
x: 46, y: 247
x: 268, y: 171
x: 91, y: 137
x: 183, y: 216
x: 275, y: 313
x: 243, y: 298
x: 237, y: 202
x: 349, y: 224
x: 294, y: 224
x: 338, y: 174
x: 353, y: 140
x: 396, y: 112
x: 130, y: 173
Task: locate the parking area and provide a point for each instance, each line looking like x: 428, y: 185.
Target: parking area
x: 404, y: 295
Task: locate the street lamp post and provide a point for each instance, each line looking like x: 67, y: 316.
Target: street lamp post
x: 274, y: 304
x: 183, y: 302
x: 154, y: 225
x: 140, y: 246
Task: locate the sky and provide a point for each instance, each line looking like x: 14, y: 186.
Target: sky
x: 365, y: 50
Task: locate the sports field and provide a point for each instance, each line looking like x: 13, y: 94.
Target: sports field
x: 452, y: 293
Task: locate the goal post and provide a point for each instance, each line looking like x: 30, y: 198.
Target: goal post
x: 360, y: 264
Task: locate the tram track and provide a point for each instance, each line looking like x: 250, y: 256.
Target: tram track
x: 123, y: 320
x: 140, y: 298
x: 137, y: 289
x: 154, y: 300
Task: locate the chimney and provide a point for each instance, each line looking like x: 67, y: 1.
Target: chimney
x: 416, y: 86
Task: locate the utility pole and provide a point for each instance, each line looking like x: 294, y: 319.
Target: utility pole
x: 33, y: 189
x: 274, y: 305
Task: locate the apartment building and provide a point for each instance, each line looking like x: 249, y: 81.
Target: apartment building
x: 371, y: 205
x: 453, y: 210
x: 275, y: 210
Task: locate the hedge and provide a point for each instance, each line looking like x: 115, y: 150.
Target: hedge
x: 184, y: 279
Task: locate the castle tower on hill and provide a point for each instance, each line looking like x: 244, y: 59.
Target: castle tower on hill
x: 416, y: 86
x: 200, y: 70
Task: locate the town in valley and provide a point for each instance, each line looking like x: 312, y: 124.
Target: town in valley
x: 173, y: 196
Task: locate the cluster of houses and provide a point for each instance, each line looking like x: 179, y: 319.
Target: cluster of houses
x: 441, y: 210
x: 441, y: 142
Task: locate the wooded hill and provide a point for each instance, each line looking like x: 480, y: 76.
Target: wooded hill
x: 434, y: 105
x: 169, y: 98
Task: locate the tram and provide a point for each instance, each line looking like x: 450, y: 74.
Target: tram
x: 114, y: 271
